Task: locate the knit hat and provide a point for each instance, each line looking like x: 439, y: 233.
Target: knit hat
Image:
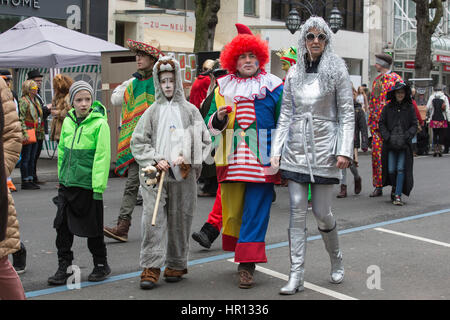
x: 78, y: 86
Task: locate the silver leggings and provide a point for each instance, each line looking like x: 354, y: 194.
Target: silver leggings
x: 321, y: 196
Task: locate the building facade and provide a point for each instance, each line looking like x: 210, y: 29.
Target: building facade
x: 396, y: 35
x: 268, y: 18
x: 87, y: 16
x: 172, y: 24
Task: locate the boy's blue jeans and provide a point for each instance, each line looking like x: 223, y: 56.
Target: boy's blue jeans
x: 396, y: 167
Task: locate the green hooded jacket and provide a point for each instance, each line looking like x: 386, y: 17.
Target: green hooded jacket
x: 84, y: 150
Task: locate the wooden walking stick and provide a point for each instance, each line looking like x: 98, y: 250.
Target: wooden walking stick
x: 355, y: 153
x: 155, y: 211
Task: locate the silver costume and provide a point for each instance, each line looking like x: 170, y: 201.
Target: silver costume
x: 316, y: 125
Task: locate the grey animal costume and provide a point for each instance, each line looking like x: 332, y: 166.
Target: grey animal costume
x: 316, y: 125
x: 167, y: 243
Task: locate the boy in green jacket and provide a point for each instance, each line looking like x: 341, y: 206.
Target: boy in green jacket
x: 83, y: 169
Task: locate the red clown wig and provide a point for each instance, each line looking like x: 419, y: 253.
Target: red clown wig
x: 244, y: 42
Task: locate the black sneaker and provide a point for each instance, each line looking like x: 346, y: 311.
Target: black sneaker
x: 20, y: 259
x: 61, y: 275
x: 28, y: 185
x: 100, y: 273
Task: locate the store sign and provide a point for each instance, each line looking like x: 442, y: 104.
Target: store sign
x: 55, y: 9
x: 172, y: 24
x: 20, y: 3
x: 410, y: 64
x: 446, y: 68
x: 440, y: 58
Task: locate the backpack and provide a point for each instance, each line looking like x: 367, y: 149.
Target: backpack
x: 439, y: 107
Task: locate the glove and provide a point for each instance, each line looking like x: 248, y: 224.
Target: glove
x: 97, y: 196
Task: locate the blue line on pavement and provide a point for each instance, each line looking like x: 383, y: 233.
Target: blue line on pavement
x: 225, y: 256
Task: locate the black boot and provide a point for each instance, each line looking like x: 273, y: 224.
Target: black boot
x: 100, y: 272
x: 61, y: 275
x: 206, y: 236
x: 20, y: 259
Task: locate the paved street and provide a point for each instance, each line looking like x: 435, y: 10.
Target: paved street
x: 389, y: 252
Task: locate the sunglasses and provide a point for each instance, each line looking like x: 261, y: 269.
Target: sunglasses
x: 311, y: 36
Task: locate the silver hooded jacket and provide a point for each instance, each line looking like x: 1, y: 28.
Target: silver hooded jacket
x: 196, y: 138
x: 316, y: 122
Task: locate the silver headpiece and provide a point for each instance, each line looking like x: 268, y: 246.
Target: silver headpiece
x: 331, y: 65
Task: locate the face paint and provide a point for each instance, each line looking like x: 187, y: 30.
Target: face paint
x: 167, y: 80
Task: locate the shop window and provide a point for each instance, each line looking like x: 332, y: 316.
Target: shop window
x: 171, y: 4
x: 120, y: 33
x: 353, y: 13
x: 280, y: 10
x: 250, y: 7
x: 407, y: 76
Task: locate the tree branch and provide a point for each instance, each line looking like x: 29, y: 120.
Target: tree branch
x: 438, y: 14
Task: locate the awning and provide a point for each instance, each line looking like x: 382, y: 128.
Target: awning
x: 173, y: 41
x: 407, y: 43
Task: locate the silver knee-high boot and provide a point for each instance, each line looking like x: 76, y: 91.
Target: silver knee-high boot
x: 297, y: 248
x: 330, y: 238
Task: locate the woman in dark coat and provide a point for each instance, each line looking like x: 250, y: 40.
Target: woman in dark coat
x: 398, y: 125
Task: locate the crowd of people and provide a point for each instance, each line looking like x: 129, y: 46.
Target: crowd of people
x: 244, y: 131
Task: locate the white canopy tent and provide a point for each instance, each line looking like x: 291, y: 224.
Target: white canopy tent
x: 38, y: 43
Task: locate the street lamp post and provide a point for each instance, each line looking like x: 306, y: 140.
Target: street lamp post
x: 293, y: 20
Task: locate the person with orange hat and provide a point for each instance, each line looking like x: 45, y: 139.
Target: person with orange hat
x: 138, y: 96
x: 244, y: 110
